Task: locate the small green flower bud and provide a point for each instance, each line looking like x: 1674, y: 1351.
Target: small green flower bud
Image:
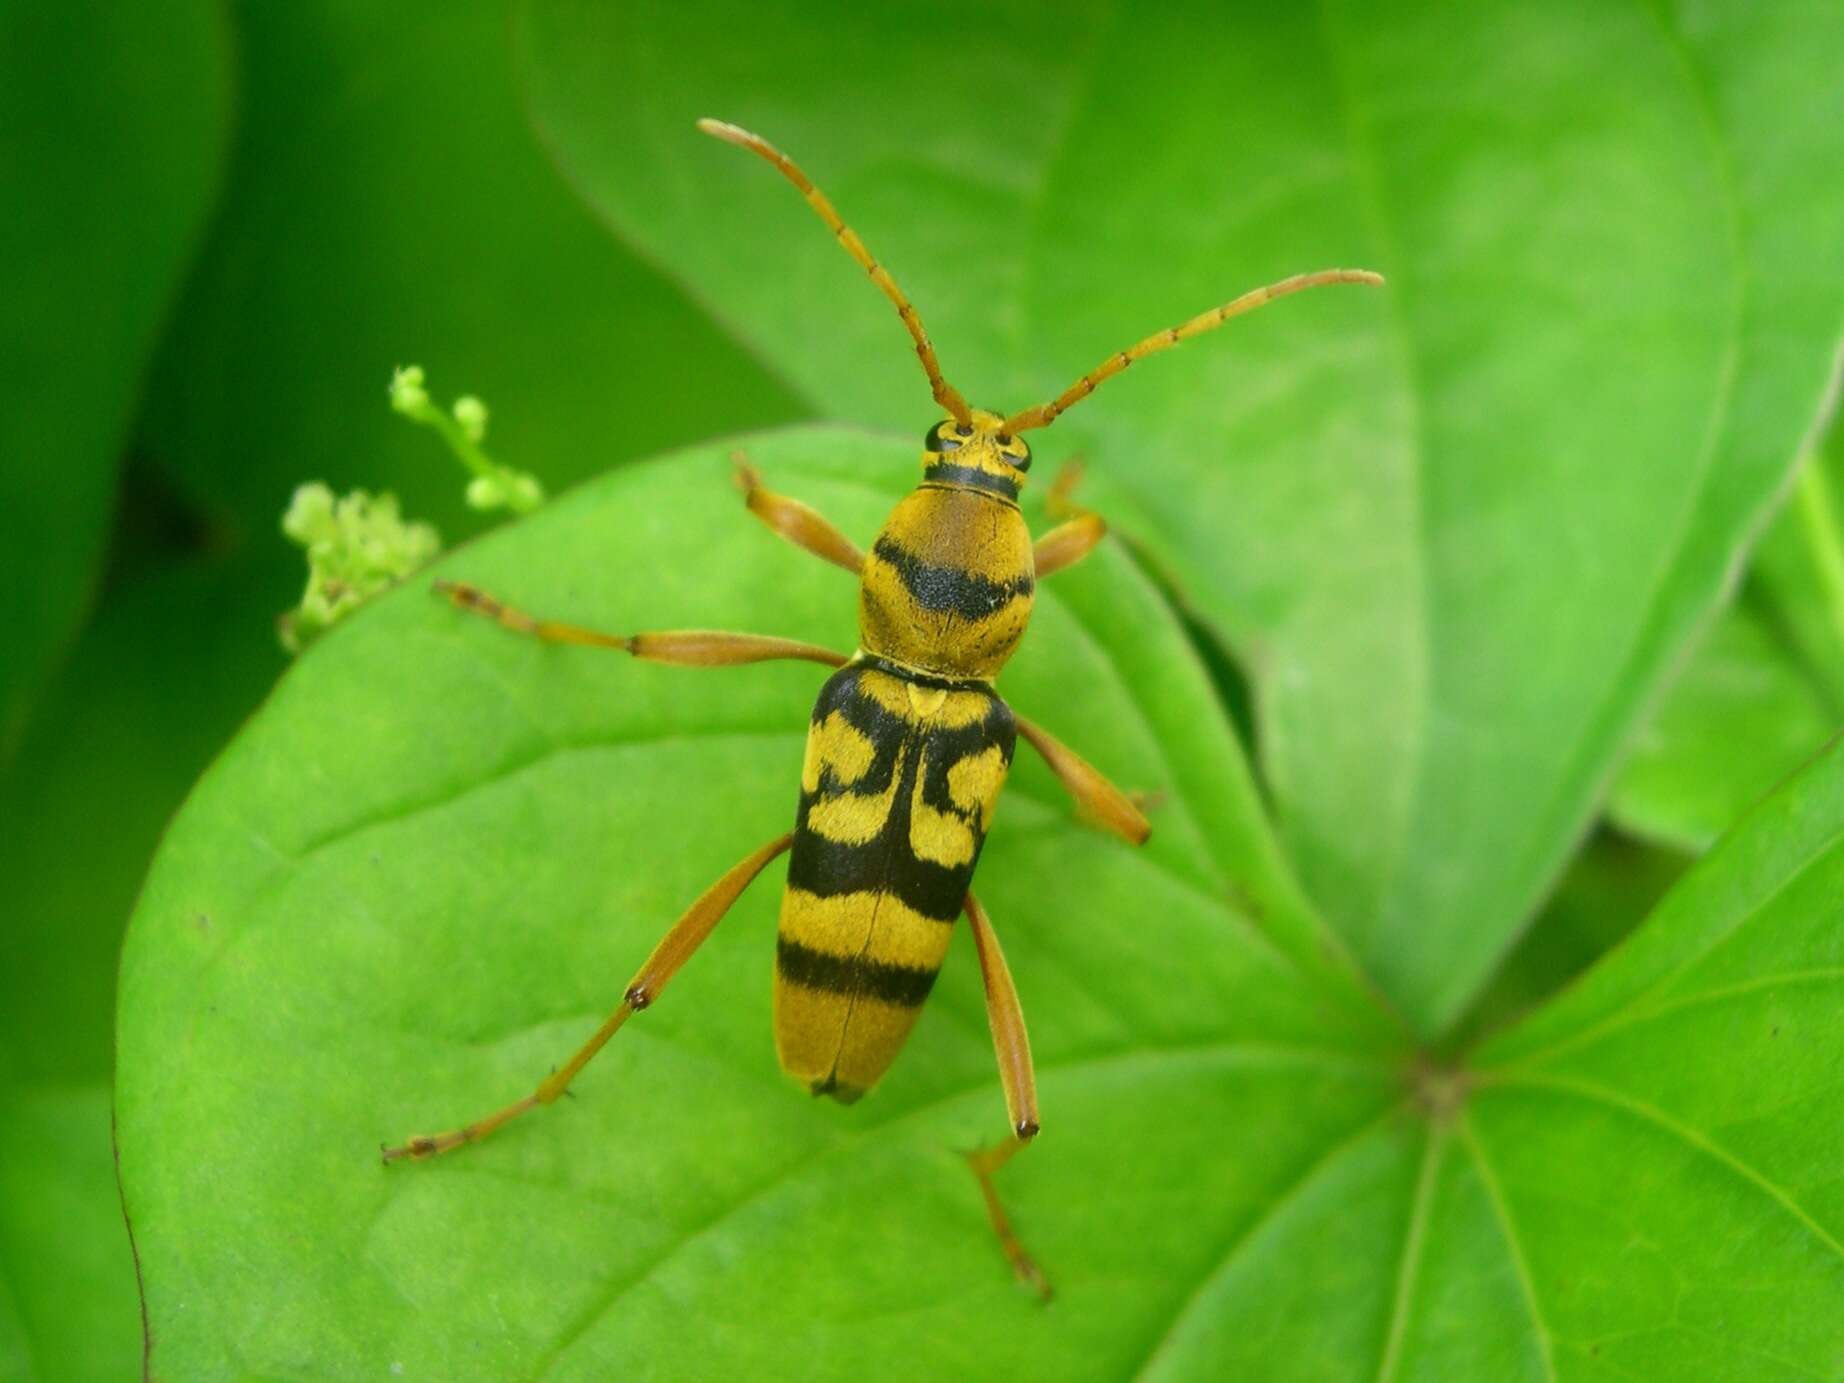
x: 471, y: 413
x: 408, y: 396
x: 463, y: 429
x: 310, y: 513
x: 527, y: 494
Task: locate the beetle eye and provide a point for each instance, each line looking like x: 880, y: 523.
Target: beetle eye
x: 934, y: 440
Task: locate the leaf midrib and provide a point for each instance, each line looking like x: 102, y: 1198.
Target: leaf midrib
x: 1514, y: 1248
x: 1368, y: 178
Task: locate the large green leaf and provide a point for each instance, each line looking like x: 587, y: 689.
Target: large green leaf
x: 1661, y: 1142
x: 438, y: 850
x: 112, y: 126
x: 433, y: 858
x: 1459, y: 529
x: 1637, y: 1182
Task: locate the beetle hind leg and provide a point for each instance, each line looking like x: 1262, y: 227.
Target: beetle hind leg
x: 1097, y: 799
x: 1013, y: 1049
x: 984, y: 1163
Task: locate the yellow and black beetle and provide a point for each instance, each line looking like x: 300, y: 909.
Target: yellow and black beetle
x: 907, y: 747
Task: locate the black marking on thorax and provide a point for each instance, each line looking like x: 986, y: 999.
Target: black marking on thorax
x: 951, y: 590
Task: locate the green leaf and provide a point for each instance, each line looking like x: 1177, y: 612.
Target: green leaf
x: 1610, y: 887
x: 114, y: 122
x: 1739, y: 718
x: 1459, y: 529
x: 435, y: 855
x: 1638, y: 1182
x: 390, y: 204
x: 429, y: 864
x: 1764, y: 689
x: 1799, y: 571
x: 170, y: 661
x: 430, y: 223
x: 116, y: 749
x: 115, y: 119
x: 1663, y: 1137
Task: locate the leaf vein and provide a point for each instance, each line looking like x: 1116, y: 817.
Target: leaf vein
x: 1247, y: 1234
x: 1690, y: 1137
x: 1507, y: 1226
x: 611, y: 1293
x: 1408, y: 1269
x: 1820, y: 854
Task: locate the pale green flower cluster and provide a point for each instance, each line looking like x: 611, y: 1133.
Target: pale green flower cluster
x: 356, y: 546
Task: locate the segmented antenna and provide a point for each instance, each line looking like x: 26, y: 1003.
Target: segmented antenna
x: 945, y: 394
x: 1046, y: 413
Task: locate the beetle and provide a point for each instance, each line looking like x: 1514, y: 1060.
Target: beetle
x: 907, y: 747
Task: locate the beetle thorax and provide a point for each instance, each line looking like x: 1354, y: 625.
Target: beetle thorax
x: 948, y: 585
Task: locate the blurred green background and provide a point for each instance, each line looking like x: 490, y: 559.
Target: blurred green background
x: 224, y: 227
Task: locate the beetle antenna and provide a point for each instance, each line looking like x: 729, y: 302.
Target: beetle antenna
x: 945, y: 394
x: 1046, y: 413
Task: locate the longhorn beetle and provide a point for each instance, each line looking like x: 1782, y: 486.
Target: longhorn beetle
x: 907, y: 747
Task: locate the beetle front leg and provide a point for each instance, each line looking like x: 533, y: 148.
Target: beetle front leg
x: 679, y: 647
x: 801, y: 524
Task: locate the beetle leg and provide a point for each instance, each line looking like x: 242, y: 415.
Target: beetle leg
x: 1067, y: 543
x: 674, y: 949
x: 1096, y: 797
x: 681, y: 647
x: 799, y: 523
x: 1013, y: 1048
